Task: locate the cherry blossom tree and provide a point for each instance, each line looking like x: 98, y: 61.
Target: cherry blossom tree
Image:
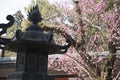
x: 92, y: 26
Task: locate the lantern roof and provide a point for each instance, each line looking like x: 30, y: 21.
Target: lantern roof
x: 33, y: 35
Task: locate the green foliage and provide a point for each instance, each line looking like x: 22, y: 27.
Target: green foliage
x: 24, y: 24
x: 111, y: 4
x: 48, y: 11
x: 92, y: 30
x: 18, y: 18
x: 11, y: 31
x: 41, y: 4
x: 9, y: 53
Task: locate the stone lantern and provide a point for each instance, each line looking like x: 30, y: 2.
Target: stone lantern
x: 32, y: 47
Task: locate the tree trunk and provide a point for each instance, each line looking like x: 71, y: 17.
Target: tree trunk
x: 109, y: 67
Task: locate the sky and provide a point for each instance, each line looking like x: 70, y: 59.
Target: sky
x: 9, y: 7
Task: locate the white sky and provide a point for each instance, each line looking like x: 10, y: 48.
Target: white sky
x: 9, y: 7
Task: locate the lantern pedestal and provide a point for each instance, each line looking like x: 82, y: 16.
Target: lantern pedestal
x: 31, y: 64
